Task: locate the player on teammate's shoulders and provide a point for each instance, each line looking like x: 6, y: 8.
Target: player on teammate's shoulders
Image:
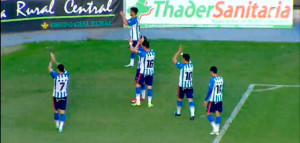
x: 214, y: 98
x: 146, y: 71
x: 60, y: 92
x: 134, y: 30
x: 185, y: 82
x: 141, y: 59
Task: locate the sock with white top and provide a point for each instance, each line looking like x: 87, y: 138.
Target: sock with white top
x: 179, y: 105
x: 132, y: 57
x: 56, y: 118
x: 150, y: 95
x: 138, y: 95
x: 192, y: 108
x: 218, y: 122
x: 211, y: 120
x: 62, y: 121
x: 143, y: 88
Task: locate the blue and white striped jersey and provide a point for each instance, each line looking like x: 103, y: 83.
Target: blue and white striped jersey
x: 135, y: 28
x: 147, y: 66
x: 215, y: 92
x: 61, y: 82
x: 141, y: 59
x: 186, y: 74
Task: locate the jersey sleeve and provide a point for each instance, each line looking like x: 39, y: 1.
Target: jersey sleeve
x: 53, y: 74
x: 210, y: 88
x: 67, y: 73
x: 142, y: 53
x: 179, y: 65
x: 132, y: 21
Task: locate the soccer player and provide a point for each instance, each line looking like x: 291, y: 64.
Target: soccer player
x: 214, y: 99
x: 185, y: 82
x: 60, y: 92
x: 146, y: 72
x: 134, y: 30
x: 141, y: 59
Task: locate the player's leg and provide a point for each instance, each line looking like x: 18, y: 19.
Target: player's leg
x: 143, y: 92
x: 218, y: 116
x: 180, y: 96
x: 209, y: 111
x: 139, y: 81
x: 132, y: 56
x: 143, y: 87
x: 56, y: 113
x: 63, y: 105
x: 149, y: 82
x: 189, y: 94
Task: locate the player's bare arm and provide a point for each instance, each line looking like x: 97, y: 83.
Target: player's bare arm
x: 53, y: 59
x: 134, y: 49
x: 50, y: 67
x: 123, y: 18
x: 176, y: 55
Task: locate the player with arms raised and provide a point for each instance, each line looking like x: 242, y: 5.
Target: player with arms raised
x: 60, y: 92
x: 146, y: 71
x: 141, y: 59
x: 134, y: 30
x: 214, y: 99
x: 185, y: 82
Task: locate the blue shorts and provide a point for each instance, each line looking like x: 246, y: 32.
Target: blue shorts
x: 142, y: 79
x: 134, y: 43
x: 137, y: 74
x: 188, y: 92
x: 60, y: 103
x: 212, y: 107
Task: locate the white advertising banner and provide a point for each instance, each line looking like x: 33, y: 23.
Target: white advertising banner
x: 213, y: 13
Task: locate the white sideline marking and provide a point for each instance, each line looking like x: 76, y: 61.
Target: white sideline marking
x: 241, y: 103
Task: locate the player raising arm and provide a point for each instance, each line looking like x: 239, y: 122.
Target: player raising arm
x: 214, y: 98
x: 146, y: 71
x: 60, y: 92
x: 185, y: 82
x: 141, y: 59
x: 134, y: 30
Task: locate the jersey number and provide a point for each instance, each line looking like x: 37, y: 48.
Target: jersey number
x: 62, y: 85
x: 150, y: 63
x: 219, y: 88
x: 188, y: 75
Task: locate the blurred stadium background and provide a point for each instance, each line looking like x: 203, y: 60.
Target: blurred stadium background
x: 94, y: 49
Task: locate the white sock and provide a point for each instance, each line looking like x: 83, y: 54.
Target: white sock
x: 131, y: 61
x: 178, y: 109
x: 144, y: 94
x: 192, y: 109
x: 217, y: 127
x: 57, y: 123
x: 138, y: 98
x: 213, y: 125
x: 149, y: 99
x: 61, y: 125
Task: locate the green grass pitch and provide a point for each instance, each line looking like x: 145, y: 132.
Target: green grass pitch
x: 101, y: 88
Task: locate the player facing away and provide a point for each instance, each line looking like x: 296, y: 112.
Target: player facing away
x: 146, y: 72
x: 141, y: 59
x: 60, y: 92
x: 134, y: 30
x: 214, y: 99
x: 185, y: 83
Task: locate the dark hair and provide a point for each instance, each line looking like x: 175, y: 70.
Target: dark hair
x: 134, y: 9
x: 214, y: 69
x: 186, y: 57
x: 61, y: 67
x: 146, y: 44
x: 145, y: 38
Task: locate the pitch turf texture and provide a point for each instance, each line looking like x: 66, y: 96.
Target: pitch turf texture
x: 101, y: 88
